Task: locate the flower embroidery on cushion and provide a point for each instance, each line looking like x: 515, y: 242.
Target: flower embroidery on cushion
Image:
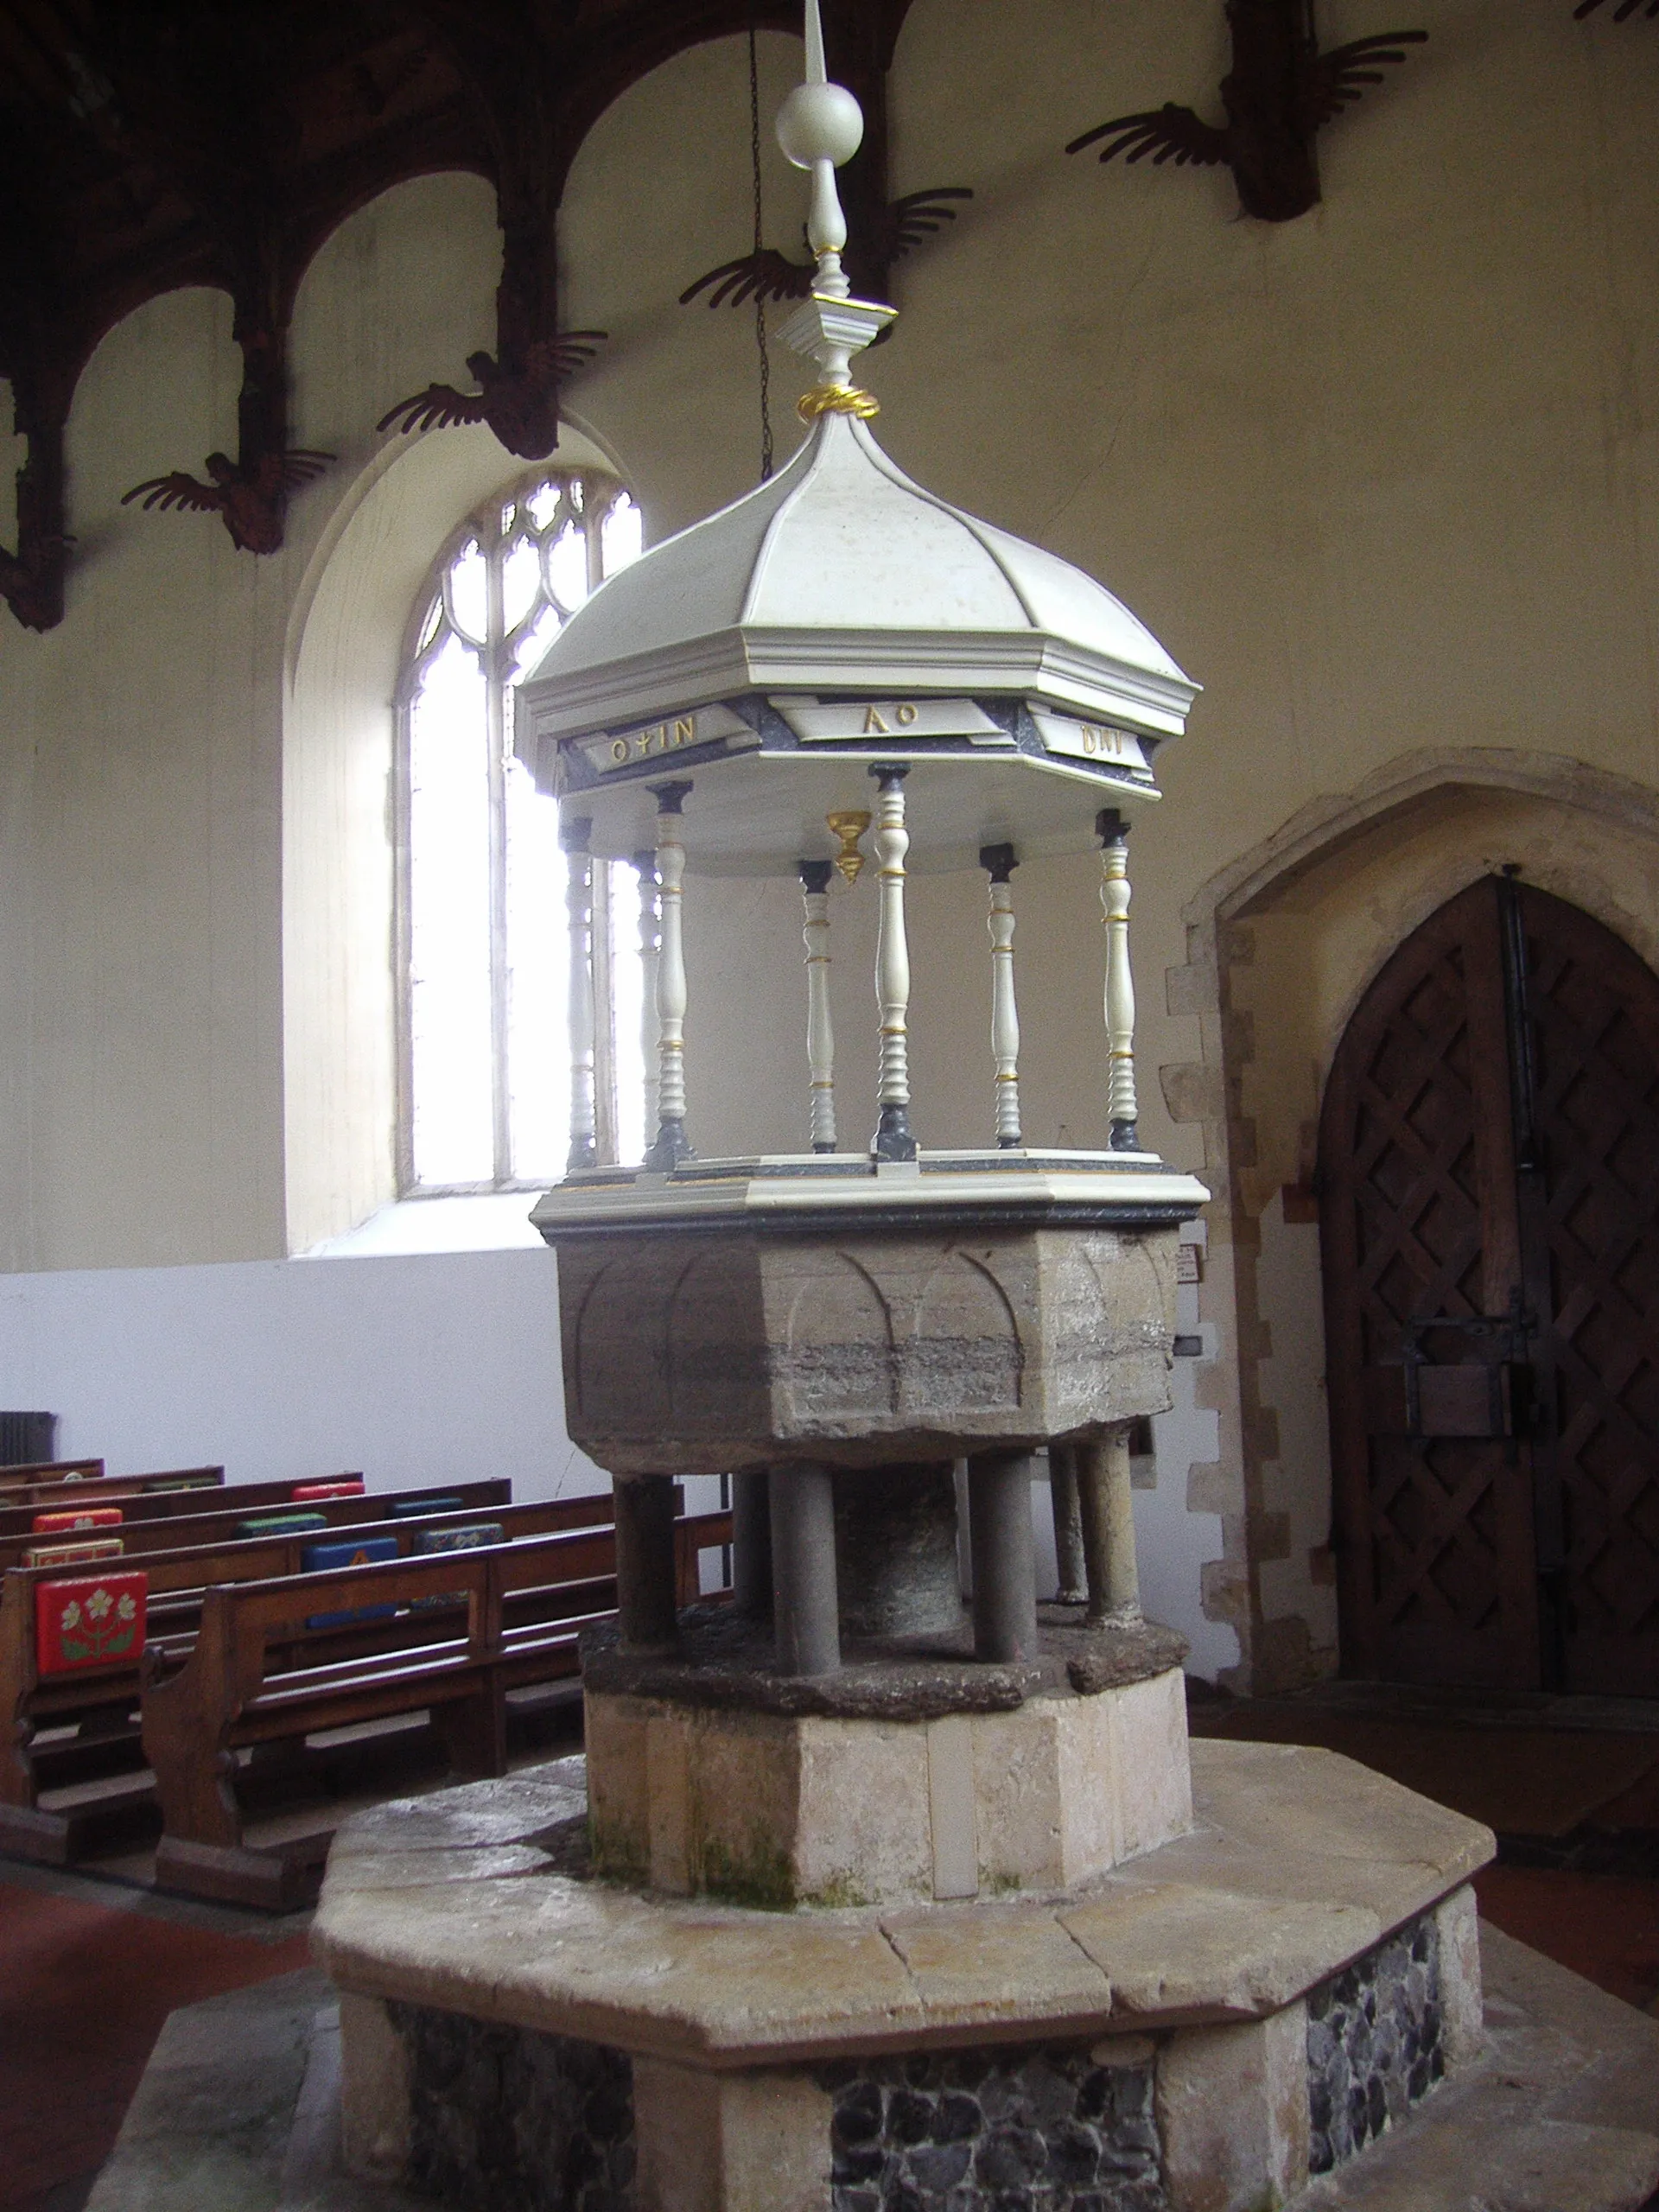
x: 102, y: 1638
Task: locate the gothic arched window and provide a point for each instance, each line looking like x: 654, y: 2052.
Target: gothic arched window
x: 482, y: 930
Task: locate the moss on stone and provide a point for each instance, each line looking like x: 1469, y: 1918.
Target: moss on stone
x: 839, y: 1892
x: 617, y: 1854
x: 761, y: 1877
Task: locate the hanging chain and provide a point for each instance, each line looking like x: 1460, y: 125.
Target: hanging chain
x: 759, y: 244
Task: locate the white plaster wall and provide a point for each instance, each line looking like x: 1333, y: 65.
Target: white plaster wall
x: 140, y: 1106
x: 425, y: 1369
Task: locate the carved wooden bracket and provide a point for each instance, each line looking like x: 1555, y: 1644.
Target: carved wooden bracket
x: 31, y: 579
x: 517, y: 70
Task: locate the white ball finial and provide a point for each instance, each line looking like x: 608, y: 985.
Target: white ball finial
x: 820, y: 123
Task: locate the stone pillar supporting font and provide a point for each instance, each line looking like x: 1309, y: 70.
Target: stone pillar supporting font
x: 1113, y: 834
x: 1068, y: 1523
x: 893, y: 1139
x: 752, y: 1544
x: 671, y: 1145
x: 1005, y: 1588
x: 806, y: 1611
x: 573, y: 833
x: 998, y: 862
x: 1107, y: 1510
x: 647, y: 1613
x: 820, y: 1034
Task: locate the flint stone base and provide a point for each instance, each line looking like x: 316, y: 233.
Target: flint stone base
x: 1199, y: 2118
x: 1231, y: 1968
x: 747, y: 1349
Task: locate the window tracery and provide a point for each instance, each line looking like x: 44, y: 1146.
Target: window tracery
x: 482, y: 930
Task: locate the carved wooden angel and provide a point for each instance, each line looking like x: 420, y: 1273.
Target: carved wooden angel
x: 1279, y: 93
x: 521, y: 406
x: 251, y: 502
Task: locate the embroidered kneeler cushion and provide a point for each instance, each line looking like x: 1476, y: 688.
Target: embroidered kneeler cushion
x: 70, y: 1551
x: 90, y: 1516
x: 472, y: 1538
x: 320, y: 1559
x: 282, y: 1524
x: 406, y: 1508
x: 90, y: 1621
x: 348, y: 1486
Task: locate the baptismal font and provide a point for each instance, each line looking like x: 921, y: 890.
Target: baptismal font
x: 884, y: 1897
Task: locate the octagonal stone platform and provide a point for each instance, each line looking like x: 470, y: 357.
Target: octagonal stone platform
x: 1202, y: 2016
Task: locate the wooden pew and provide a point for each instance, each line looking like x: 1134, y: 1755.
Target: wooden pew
x: 146, y: 1497
x: 170, y: 1531
x: 50, y: 1470
x: 99, y: 1702
x: 19, y: 1498
x: 247, y: 1683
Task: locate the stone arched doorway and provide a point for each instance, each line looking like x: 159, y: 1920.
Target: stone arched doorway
x: 1488, y: 1207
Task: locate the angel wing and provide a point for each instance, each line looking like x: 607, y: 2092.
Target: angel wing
x: 440, y: 407
x: 765, y: 276
x: 162, y: 493
x: 921, y: 215
x: 1170, y: 133
x: 555, y: 359
x: 1347, y: 72
x: 304, y: 465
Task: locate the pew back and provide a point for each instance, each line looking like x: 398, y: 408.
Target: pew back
x: 218, y: 1522
x: 172, y: 1490
x: 50, y: 1470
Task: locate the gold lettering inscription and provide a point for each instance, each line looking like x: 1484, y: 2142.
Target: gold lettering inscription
x: 1095, y: 739
x: 907, y: 714
x: 874, y: 725
x: 660, y: 737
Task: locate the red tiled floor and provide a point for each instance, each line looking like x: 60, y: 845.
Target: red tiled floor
x: 1601, y: 1926
x: 83, y: 1993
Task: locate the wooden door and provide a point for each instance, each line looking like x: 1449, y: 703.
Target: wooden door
x: 1488, y: 1169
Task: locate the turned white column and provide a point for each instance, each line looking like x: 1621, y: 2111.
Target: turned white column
x: 998, y: 862
x: 574, y: 834
x: 1113, y: 834
x: 820, y: 1033
x: 893, y: 1139
x: 671, y: 1145
x: 645, y: 867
